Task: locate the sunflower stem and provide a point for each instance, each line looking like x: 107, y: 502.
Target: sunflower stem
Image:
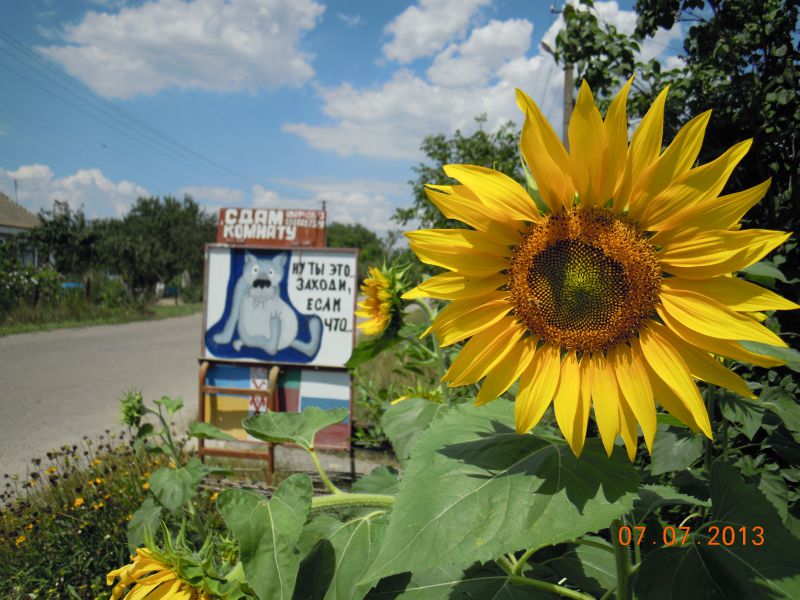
x: 708, y: 444
x: 348, y: 500
x: 323, y: 475
x: 546, y: 586
x: 523, y: 560
x: 622, y: 562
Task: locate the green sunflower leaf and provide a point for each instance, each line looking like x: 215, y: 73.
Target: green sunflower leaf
x: 675, y: 449
x: 747, y: 568
x: 789, y: 355
x: 334, y: 568
x: 368, y: 349
x: 145, y: 522
x: 474, y: 490
x: 381, y: 480
x: 175, y: 487
x: 268, y: 532
x: 294, y: 428
x: 447, y: 583
x: 405, y: 421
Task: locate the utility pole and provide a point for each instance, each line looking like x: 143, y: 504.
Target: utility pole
x: 568, y: 85
x: 16, y: 191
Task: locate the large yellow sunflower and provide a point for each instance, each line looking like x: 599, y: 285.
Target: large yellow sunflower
x: 151, y: 577
x: 616, y: 295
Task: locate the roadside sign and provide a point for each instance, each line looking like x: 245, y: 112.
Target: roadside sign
x: 279, y: 305
x: 271, y: 227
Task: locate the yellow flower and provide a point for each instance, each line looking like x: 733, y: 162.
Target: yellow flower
x: 214, y: 496
x: 21, y: 540
x: 98, y: 505
x: 151, y: 577
x: 614, y: 295
x: 51, y: 470
x: 146, y: 485
x: 377, y: 307
x: 78, y: 502
x: 97, y: 461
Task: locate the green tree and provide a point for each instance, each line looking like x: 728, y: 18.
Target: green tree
x: 498, y: 150
x: 64, y: 239
x: 346, y: 235
x: 158, y: 240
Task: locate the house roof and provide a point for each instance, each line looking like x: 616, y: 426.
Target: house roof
x: 13, y: 215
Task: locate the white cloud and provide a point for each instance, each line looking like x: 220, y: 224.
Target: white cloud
x: 87, y: 188
x: 465, y: 79
x: 350, y: 20
x: 474, y: 61
x: 425, y: 28
x: 211, y: 45
x: 345, y: 202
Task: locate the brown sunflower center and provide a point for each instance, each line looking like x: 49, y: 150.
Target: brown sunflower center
x: 584, y: 280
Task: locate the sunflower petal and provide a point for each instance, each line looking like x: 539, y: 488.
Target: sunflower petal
x: 634, y: 384
x: 545, y: 156
x: 497, y: 191
x: 736, y: 294
x: 627, y: 428
x: 588, y: 146
x: 695, y: 187
x: 536, y: 388
x: 676, y: 160
x: 719, y: 214
x: 605, y: 400
x: 462, y: 260
x: 702, y: 366
x: 507, y: 371
x: 459, y: 203
x: 483, y: 351
x: 616, y: 128
x: 464, y: 318
x: 569, y: 405
x: 454, y: 286
x: 644, y: 150
x: 715, y: 253
x: 670, y: 367
x: 458, y: 238
x: 726, y: 348
x: 713, y: 319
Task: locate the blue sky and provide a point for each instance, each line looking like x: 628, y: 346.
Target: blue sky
x: 274, y: 103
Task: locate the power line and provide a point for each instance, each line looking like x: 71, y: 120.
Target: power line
x: 145, y: 132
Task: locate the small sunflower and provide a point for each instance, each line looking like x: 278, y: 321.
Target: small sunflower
x: 616, y: 294
x: 152, y: 575
x: 381, y: 307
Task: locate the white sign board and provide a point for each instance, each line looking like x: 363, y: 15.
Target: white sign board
x: 292, y: 306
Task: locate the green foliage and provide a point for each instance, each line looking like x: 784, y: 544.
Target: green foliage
x: 294, y: 428
x: 465, y: 492
x: 66, y: 238
x: 63, y: 525
x: 496, y: 149
x: 371, y: 250
x: 173, y: 487
x: 709, y: 566
x: 268, y: 532
x: 157, y: 240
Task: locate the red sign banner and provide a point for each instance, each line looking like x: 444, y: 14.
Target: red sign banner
x: 271, y: 227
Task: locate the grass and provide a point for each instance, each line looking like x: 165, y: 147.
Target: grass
x: 54, y: 320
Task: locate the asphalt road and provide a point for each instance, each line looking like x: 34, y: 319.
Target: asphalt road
x: 57, y: 386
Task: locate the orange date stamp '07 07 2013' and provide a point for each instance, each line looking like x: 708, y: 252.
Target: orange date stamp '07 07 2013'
x: 713, y: 535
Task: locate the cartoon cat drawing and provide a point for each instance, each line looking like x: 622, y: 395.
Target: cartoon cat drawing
x: 260, y: 317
